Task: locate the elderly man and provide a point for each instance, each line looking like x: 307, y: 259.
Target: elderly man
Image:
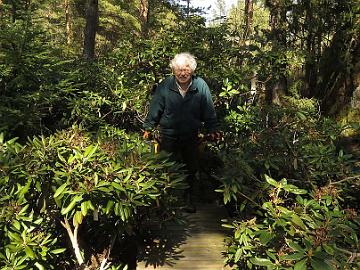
x: 180, y: 107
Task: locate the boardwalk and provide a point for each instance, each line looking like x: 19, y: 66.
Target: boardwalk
x: 198, y: 244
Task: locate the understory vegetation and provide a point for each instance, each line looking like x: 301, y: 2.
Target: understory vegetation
x: 291, y: 189
x: 78, y: 183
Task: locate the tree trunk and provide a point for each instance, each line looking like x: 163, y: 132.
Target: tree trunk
x: 310, y: 61
x: 144, y: 15
x: 68, y: 22
x: 249, y: 14
x: 253, y: 83
x: 1, y: 8
x: 253, y: 86
x: 339, y: 72
x: 13, y: 10
x: 92, y: 19
x: 277, y: 87
x: 355, y: 99
x: 187, y: 8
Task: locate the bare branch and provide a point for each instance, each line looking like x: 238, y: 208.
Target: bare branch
x: 74, y: 241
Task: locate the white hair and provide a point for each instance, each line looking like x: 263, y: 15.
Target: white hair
x: 182, y: 60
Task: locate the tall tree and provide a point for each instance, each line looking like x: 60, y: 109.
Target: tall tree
x: 249, y: 14
x: 92, y: 20
x: 187, y: 7
x: 355, y: 99
x: 310, y: 64
x: 339, y: 69
x: 278, y: 85
x: 244, y: 19
x: 1, y: 8
x: 13, y: 10
x: 219, y: 12
x: 144, y: 15
x: 68, y: 22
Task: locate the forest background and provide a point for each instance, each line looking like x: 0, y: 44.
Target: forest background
x: 76, y: 77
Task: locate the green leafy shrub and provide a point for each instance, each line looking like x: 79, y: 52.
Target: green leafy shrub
x: 291, y: 142
x: 296, y: 229
x: 297, y: 143
x: 34, y: 80
x: 108, y: 95
x: 72, y: 185
x: 281, y: 142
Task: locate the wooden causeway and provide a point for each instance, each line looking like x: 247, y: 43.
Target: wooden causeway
x: 197, y: 244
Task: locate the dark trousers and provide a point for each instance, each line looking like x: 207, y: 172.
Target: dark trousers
x: 184, y: 151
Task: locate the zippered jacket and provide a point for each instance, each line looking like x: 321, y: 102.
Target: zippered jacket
x: 181, y: 117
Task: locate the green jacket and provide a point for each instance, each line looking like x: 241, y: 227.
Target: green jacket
x: 178, y: 116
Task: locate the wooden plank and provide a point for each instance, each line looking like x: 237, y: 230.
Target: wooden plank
x: 198, y: 244
x: 186, y: 265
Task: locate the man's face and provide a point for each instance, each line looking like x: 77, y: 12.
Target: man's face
x: 183, y: 74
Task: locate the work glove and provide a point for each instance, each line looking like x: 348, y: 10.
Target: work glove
x: 151, y: 135
x: 147, y: 135
x: 215, y: 136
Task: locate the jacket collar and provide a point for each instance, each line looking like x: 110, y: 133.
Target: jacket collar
x: 173, y: 85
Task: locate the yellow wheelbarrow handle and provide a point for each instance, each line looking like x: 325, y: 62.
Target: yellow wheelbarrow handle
x: 156, y: 147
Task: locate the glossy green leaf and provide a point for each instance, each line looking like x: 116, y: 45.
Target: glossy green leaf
x: 61, y: 157
x: 109, y: 206
x: 84, y: 208
x: 294, y: 257
x: 71, y: 205
x: 14, y: 236
x: 295, y: 246
x: 29, y: 252
x: 318, y: 264
x: 271, y: 255
x: 128, y: 175
x: 71, y: 159
x: 300, y: 265
x: 298, y: 221
x: 58, y: 251
x: 60, y: 189
x: 90, y: 205
x: 118, y: 186
x: 261, y: 261
x: 294, y: 189
x: 90, y: 150
x: 16, y: 224
x: 77, y: 218
x: 39, y: 266
x: 301, y: 115
x: 271, y: 181
x: 265, y: 237
x: 237, y: 255
x: 328, y: 249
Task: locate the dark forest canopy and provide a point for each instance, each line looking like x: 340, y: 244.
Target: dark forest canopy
x: 277, y: 48
x: 76, y: 77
